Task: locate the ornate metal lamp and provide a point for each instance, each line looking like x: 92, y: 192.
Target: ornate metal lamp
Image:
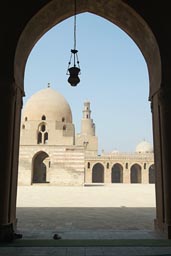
x: 74, y: 71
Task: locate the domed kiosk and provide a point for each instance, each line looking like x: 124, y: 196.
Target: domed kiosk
x: 48, y: 153
x: 144, y: 147
x: 47, y: 119
x: 48, y: 103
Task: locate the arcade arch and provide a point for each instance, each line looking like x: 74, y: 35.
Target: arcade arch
x: 117, y: 173
x: 40, y: 167
x: 98, y: 173
x: 135, y: 174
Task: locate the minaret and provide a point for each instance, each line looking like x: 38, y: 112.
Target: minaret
x: 87, y: 137
x: 87, y: 125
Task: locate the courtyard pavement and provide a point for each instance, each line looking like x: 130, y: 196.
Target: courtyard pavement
x: 86, y: 212
x: 118, y: 211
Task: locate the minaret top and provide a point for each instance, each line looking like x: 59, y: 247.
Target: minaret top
x: 87, y: 125
x: 86, y: 110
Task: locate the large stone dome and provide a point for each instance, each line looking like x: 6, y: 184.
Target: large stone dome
x: 144, y: 147
x: 48, y: 103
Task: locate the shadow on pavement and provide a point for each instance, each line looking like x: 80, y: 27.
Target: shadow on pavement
x: 43, y: 221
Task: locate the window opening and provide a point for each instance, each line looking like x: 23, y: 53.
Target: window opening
x: 43, y: 117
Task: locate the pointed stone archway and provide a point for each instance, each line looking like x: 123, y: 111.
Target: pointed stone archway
x: 98, y: 173
x: 135, y: 174
x: 40, y: 167
x: 38, y: 22
x: 117, y: 173
x: 128, y: 20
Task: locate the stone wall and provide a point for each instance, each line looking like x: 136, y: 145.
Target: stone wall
x: 64, y: 165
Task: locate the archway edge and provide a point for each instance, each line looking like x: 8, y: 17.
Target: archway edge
x: 136, y: 164
x: 97, y: 163
x: 40, y: 152
x: 117, y: 163
x: 115, y: 11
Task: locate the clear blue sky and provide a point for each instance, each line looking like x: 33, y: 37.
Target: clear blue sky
x: 114, y: 78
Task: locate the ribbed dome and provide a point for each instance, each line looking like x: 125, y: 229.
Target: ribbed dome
x: 48, y: 103
x: 144, y: 147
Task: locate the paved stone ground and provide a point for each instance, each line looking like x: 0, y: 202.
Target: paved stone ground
x: 118, y: 211
x: 88, y: 251
x: 86, y: 212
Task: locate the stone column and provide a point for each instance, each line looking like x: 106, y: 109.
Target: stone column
x: 126, y: 173
x: 88, y: 174
x: 158, y: 161
x: 10, y: 112
x: 144, y: 173
x: 165, y: 115
x: 107, y: 171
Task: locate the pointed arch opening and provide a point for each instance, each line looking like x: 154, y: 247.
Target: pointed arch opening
x: 42, y: 135
x: 98, y: 173
x: 40, y: 167
x: 43, y: 117
x: 117, y: 173
x: 135, y: 173
x: 141, y: 34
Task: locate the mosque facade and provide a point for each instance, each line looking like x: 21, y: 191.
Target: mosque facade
x: 51, y: 153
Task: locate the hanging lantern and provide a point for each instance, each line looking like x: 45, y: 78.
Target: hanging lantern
x: 74, y: 71
x: 73, y: 78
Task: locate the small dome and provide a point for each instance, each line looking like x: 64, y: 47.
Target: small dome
x: 144, y: 147
x: 115, y: 151
x: 49, y: 104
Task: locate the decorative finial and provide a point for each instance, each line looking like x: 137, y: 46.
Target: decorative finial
x: 48, y: 85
